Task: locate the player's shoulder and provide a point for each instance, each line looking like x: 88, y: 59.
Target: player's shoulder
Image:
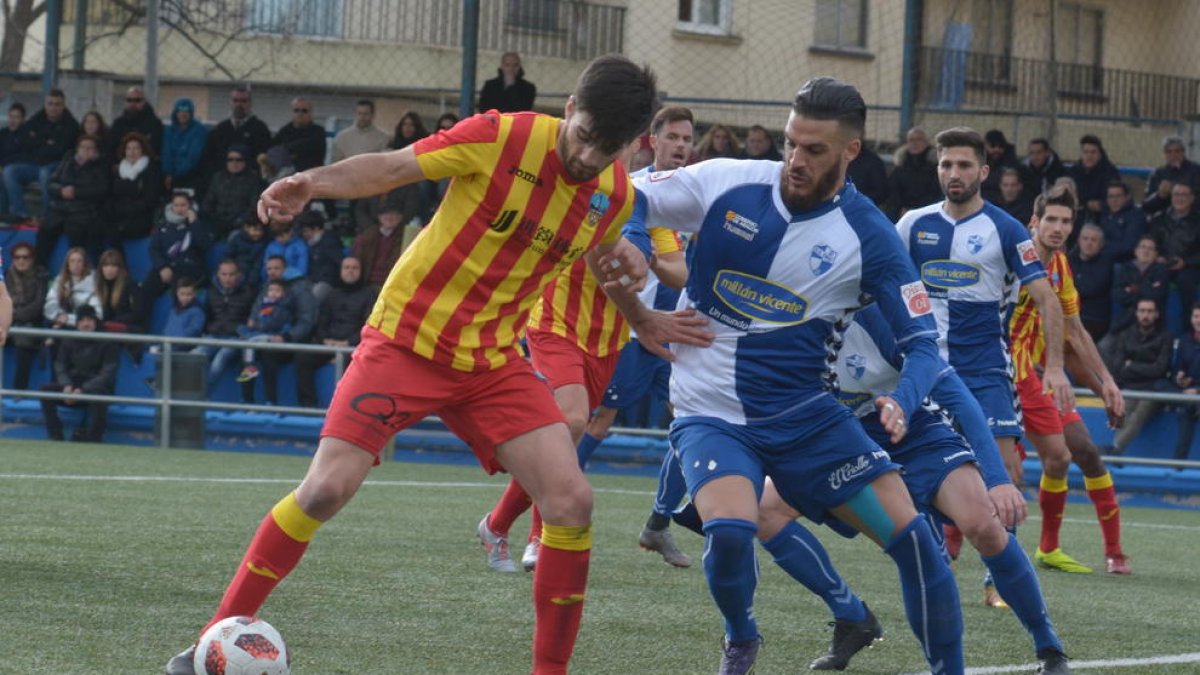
x: 716, y: 175
x: 863, y: 216
x: 925, y: 213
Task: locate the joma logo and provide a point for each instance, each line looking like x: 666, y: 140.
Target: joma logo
x: 527, y: 176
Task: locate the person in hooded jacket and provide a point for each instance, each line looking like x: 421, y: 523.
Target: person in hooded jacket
x: 339, y: 322
x: 178, y: 247
x: 136, y: 190
x: 183, y: 147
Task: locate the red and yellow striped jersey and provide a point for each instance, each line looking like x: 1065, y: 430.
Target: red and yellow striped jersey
x: 511, y: 221
x: 576, y: 308
x: 1025, y: 328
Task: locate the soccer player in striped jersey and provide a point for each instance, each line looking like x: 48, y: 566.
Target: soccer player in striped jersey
x: 1061, y: 436
x: 784, y: 251
x: 530, y: 195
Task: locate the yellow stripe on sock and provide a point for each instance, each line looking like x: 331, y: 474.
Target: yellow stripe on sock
x: 573, y: 599
x: 1054, y: 484
x: 292, y: 519
x: 1099, y: 482
x: 262, y: 571
x: 567, y: 538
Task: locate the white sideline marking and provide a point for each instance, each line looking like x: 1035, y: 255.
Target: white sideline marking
x: 1193, y: 657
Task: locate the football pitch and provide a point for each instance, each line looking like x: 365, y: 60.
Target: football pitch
x: 113, y: 557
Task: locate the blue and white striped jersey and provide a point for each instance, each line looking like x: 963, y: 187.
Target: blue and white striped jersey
x: 969, y: 267
x: 773, y: 284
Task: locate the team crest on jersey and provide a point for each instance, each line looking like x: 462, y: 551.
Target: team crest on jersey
x: 928, y: 238
x: 596, y: 208
x: 857, y: 363
x: 821, y: 259
x: 975, y: 243
x: 916, y: 298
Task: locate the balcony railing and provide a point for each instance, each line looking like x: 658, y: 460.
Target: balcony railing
x: 568, y: 29
x: 960, y: 80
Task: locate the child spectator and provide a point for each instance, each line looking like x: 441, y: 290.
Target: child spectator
x: 286, y: 244
x: 1143, y: 278
x: 269, y: 321
x: 27, y: 282
x: 186, y: 318
x: 246, y: 247
x: 324, y: 253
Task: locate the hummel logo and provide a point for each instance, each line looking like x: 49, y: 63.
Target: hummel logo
x: 504, y: 222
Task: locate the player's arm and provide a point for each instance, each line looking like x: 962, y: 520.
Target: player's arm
x: 671, y: 270
x: 359, y: 176
x: 1052, y: 327
x: 952, y: 394
x: 916, y: 337
x: 1101, y: 381
x: 6, y: 312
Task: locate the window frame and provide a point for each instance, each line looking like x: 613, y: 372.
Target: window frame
x: 723, y: 27
x: 837, y: 45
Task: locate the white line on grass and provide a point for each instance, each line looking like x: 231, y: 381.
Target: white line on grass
x: 1174, y: 659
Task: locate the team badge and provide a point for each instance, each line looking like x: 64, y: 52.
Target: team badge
x: 821, y: 259
x: 916, y: 299
x: 857, y: 363
x: 596, y: 208
x: 1027, y: 251
x: 975, y: 243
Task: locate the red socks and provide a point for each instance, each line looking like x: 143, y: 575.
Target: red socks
x: 512, y: 504
x: 277, y: 546
x: 559, y: 586
x: 1104, y: 497
x: 1053, y: 499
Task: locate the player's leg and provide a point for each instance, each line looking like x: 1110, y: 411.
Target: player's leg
x: 799, y: 553
x: 963, y: 498
x: 656, y: 535
x: 884, y: 512
x: 724, y: 475
x: 1099, y: 484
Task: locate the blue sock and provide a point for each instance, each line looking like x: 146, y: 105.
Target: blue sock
x: 587, y: 445
x: 930, y: 596
x: 671, y: 486
x: 732, y: 571
x: 1017, y: 583
x: 801, y: 555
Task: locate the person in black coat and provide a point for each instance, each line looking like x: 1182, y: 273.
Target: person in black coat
x: 82, y: 367
x: 27, y: 283
x: 869, y: 175
x: 1092, y: 268
x: 509, y: 91
x: 1143, y: 278
x: 1178, y: 169
x: 1123, y: 222
x: 1093, y: 173
x: 232, y: 192
x: 1013, y: 198
x: 913, y: 182
x: 78, y: 195
x: 178, y: 248
x: 136, y: 190
x: 228, y: 304
x: 242, y: 127
x: 44, y: 140
x: 1002, y: 155
x: 339, y: 323
x: 304, y: 141
x: 1043, y: 164
x: 324, y: 253
x: 139, y: 117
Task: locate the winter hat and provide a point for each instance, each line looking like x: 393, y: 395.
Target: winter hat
x: 184, y: 104
x: 85, y: 312
x: 240, y: 149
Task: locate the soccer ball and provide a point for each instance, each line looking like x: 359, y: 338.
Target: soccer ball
x: 242, y: 645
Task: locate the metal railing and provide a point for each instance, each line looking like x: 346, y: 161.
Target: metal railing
x: 165, y: 401
x: 970, y: 81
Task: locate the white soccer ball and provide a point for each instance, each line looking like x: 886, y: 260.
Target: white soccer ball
x: 242, y: 645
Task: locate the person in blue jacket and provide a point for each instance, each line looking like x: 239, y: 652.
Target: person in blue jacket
x: 183, y: 147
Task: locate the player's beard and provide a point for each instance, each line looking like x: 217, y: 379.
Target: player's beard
x: 965, y: 196
x: 824, y: 187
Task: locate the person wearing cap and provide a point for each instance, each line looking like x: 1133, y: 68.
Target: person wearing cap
x: 324, y: 253
x: 232, y: 191
x: 183, y: 146
x: 82, y: 367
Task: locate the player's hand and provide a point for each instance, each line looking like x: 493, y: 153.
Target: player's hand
x: 624, y: 267
x: 1114, y: 404
x: 1009, y: 503
x: 284, y: 199
x: 1056, y: 381
x: 891, y: 416
x: 684, y: 326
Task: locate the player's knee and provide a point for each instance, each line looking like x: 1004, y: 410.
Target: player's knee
x: 323, y: 496
x: 576, y: 423
x: 773, y: 516
x: 567, y: 505
x: 984, y: 531
x: 1056, y: 463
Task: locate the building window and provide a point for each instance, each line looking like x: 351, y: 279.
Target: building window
x: 1079, y: 34
x: 313, y: 18
x: 533, y: 14
x: 841, y: 24
x: 991, y: 47
x: 705, y: 16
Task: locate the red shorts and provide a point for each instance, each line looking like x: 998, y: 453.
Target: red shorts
x: 1038, y: 411
x: 388, y: 388
x: 562, y: 362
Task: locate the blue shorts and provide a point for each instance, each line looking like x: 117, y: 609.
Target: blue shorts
x: 815, y: 467
x: 997, y: 395
x: 638, y: 373
x: 929, y: 452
